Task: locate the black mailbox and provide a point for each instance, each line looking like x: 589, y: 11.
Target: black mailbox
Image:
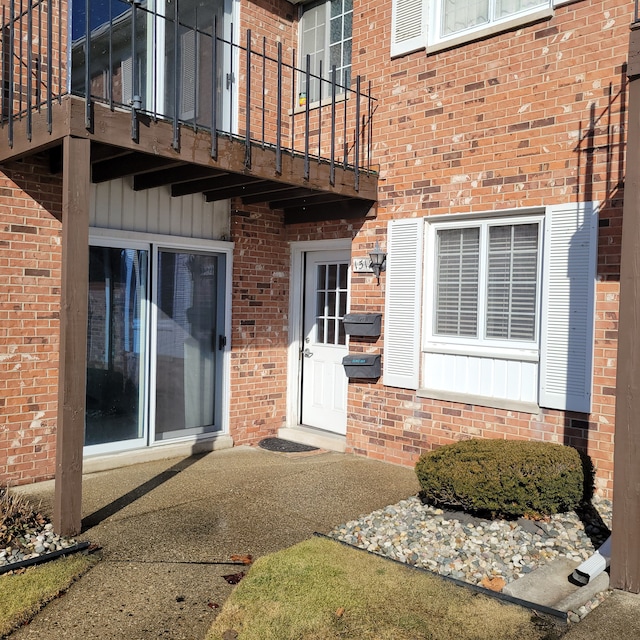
x: 363, y: 324
x: 361, y: 365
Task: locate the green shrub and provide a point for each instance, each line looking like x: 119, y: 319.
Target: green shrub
x: 503, y: 477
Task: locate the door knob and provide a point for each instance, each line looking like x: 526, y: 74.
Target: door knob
x: 307, y: 353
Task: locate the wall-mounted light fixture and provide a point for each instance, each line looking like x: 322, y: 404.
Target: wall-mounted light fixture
x: 378, y: 260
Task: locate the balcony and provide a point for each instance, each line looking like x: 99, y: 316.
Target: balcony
x: 169, y: 94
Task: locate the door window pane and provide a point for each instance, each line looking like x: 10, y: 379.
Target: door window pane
x: 331, y: 303
x: 115, y: 345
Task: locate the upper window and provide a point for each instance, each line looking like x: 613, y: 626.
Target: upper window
x: 325, y: 36
x: 462, y: 15
x: 436, y: 24
x: 486, y: 284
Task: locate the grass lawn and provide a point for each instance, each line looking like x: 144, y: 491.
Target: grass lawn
x: 323, y: 590
x: 23, y: 595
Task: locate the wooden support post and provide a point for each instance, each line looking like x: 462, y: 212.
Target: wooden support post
x: 625, y: 556
x: 73, y: 335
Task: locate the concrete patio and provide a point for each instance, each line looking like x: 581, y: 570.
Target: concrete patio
x: 168, y: 530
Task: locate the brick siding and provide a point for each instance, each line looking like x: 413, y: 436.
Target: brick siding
x: 29, y: 326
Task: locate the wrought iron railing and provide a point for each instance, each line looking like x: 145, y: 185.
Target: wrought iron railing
x: 189, y: 70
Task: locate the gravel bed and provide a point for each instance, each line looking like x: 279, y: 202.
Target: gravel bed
x: 33, y: 544
x: 471, y: 549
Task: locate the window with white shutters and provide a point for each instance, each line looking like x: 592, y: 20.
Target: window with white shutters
x: 508, y: 308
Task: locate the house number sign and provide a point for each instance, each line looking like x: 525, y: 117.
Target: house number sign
x: 362, y: 265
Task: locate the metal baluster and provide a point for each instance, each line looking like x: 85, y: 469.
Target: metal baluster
x: 247, y: 131
x: 29, y: 68
x: 135, y: 95
x: 195, y: 72
x: 332, y: 164
x: 110, y: 74
x: 230, y: 80
x: 21, y: 58
x: 357, y: 141
x: 176, y: 82
x: 346, y: 147
x: 152, y: 102
x: 369, y: 128
x: 293, y: 98
x: 264, y: 85
x: 39, y: 60
x: 12, y: 10
x: 3, y: 71
x: 68, y: 84
x: 49, y: 67
x: 214, y: 88
x: 87, y: 63
x: 320, y: 115
x: 306, y: 117
x: 279, y: 114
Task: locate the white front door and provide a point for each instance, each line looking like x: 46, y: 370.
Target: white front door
x: 324, y: 383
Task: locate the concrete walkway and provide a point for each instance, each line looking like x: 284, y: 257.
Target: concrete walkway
x: 169, y: 528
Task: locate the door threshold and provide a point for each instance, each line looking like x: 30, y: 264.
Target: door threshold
x: 314, y: 437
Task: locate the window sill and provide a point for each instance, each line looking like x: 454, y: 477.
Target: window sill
x: 318, y: 104
x: 482, y: 401
x: 497, y: 353
x: 490, y: 30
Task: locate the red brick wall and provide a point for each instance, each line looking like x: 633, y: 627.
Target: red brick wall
x: 29, y: 330
x: 260, y: 324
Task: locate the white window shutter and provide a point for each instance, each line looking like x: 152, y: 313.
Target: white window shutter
x: 402, y: 318
x: 568, y: 306
x: 408, y: 26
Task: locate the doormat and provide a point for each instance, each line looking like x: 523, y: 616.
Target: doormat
x: 284, y: 446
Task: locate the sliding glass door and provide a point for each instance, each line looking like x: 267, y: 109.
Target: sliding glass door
x: 154, y: 353
x: 116, y: 346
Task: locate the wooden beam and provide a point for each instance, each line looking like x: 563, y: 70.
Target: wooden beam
x: 261, y: 190
x: 260, y: 195
x: 210, y: 184
x: 173, y: 176
x: 72, y: 371
x: 101, y: 152
x: 313, y: 197
x: 346, y: 210
x: 131, y: 164
x: 625, y: 551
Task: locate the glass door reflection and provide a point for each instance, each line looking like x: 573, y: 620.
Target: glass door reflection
x: 185, y: 343
x: 116, y: 346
